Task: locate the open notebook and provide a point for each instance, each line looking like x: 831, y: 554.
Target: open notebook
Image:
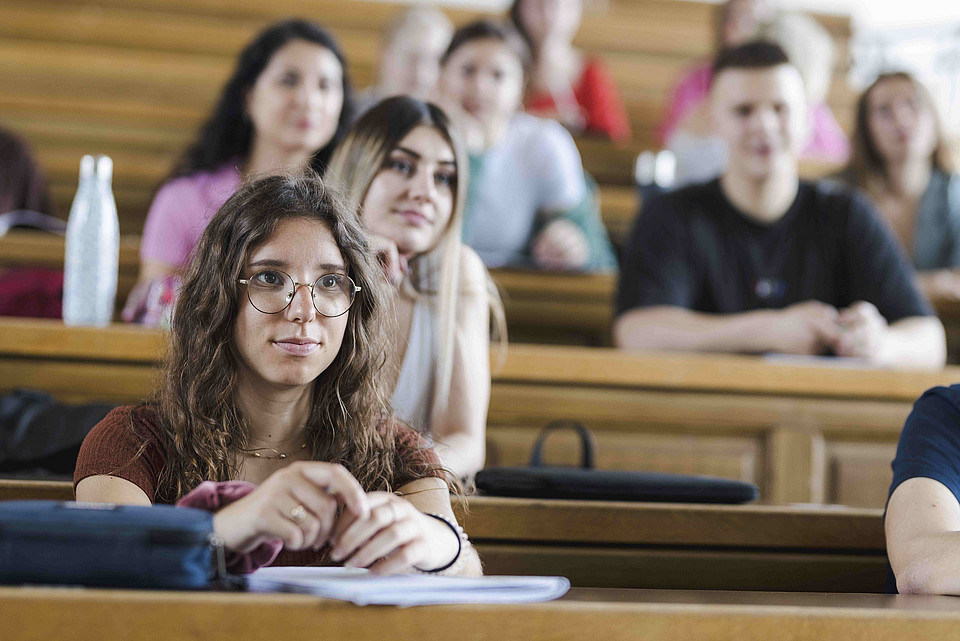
x: 362, y: 588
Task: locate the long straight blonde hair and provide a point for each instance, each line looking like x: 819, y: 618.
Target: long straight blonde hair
x: 435, y: 275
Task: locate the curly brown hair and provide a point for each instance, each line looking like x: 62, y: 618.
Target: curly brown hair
x: 202, y: 425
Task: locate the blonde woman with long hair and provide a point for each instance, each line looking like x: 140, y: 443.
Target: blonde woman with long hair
x: 404, y: 170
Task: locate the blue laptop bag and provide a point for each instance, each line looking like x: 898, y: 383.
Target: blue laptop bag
x: 99, y: 544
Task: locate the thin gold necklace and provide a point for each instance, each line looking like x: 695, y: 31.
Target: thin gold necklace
x: 277, y: 454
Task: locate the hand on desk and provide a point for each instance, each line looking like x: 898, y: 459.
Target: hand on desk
x: 308, y: 505
x: 395, y: 537
x: 561, y: 246
x: 813, y: 328
x: 297, y: 504
x: 807, y: 328
x: 863, y: 333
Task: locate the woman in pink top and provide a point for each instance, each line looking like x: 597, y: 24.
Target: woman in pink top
x: 285, y: 108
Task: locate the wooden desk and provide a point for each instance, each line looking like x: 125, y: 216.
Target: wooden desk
x: 807, y: 432
x: 544, y: 307
x: 631, y: 615
x: 21, y: 248
x: 657, y: 545
x: 560, y: 308
x: 557, y: 308
x: 664, y: 546
x: 541, y: 307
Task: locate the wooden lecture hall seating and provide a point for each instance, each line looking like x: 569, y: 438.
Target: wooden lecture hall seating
x: 611, y: 615
x: 134, y: 78
x: 541, y: 307
x: 803, y: 431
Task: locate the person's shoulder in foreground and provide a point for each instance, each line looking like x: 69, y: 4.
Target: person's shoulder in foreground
x: 930, y: 441
x: 922, y: 519
x: 125, y: 444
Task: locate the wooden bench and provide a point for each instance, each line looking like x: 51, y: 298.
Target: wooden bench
x: 541, y: 307
x: 803, y: 432
x: 570, y: 308
x: 612, y: 615
x: 645, y: 43
x: 657, y: 545
x: 648, y: 545
x: 134, y: 80
x: 29, y: 490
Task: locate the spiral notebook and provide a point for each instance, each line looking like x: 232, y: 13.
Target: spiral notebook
x: 362, y: 588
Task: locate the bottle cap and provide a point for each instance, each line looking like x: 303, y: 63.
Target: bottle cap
x: 665, y: 169
x: 104, y: 168
x: 87, y: 167
x: 644, y: 171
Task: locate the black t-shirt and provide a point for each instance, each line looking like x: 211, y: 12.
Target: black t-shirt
x: 692, y: 248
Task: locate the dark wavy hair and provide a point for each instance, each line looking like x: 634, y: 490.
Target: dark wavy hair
x: 201, y: 424
x: 227, y: 133
x: 500, y: 31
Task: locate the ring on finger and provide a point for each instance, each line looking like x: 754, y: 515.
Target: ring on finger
x: 298, y: 513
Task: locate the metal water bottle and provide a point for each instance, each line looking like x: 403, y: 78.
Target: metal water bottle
x: 92, y: 247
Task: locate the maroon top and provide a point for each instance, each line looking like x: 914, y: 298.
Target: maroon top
x: 111, y: 448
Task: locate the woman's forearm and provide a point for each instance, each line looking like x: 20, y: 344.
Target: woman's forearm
x: 462, y: 453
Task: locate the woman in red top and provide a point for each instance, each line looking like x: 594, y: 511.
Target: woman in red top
x: 576, y: 90
x: 273, y: 378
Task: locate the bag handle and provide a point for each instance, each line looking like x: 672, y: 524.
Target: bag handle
x: 588, y: 444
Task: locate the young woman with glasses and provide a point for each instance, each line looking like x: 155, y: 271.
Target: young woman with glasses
x: 404, y: 170
x: 273, y: 380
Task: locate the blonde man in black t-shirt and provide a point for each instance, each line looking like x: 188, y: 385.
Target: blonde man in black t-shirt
x: 759, y: 261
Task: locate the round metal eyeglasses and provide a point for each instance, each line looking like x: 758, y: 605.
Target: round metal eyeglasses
x: 271, y: 291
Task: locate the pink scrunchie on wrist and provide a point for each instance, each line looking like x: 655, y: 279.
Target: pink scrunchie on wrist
x: 211, y: 496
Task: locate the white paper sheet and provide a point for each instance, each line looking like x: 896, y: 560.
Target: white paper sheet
x: 362, y: 588
x: 834, y: 362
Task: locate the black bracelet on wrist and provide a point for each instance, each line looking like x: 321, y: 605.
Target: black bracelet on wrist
x: 462, y: 542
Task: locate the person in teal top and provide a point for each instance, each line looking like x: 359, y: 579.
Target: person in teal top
x: 530, y: 202
x: 903, y: 161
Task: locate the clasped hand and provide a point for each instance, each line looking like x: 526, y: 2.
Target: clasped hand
x: 309, y: 505
x: 813, y: 327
